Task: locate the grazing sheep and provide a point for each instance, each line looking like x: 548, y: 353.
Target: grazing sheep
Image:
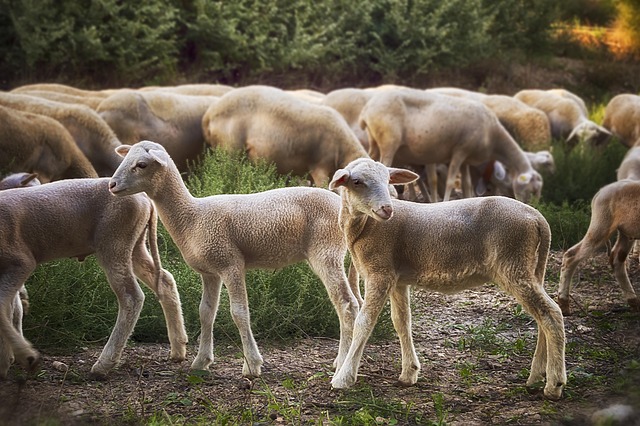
x: 613, y: 208
x: 411, y: 127
x: 60, y: 88
x: 39, y: 144
x: 568, y: 118
x: 395, y: 244
x: 268, y: 123
x: 222, y: 236
x: 88, y: 101
x: 349, y: 103
x: 529, y: 126
x: 172, y: 118
x: 192, y: 89
x: 630, y: 165
x: 93, y: 136
x: 82, y: 218
x: 622, y: 118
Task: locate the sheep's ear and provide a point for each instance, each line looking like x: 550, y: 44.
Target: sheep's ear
x: 499, y: 171
x: 524, y: 178
x: 340, y: 178
x: 28, y: 178
x: 122, y: 150
x: 399, y: 176
x: 159, y: 156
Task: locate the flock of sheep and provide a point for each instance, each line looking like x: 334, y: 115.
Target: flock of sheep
x: 485, y: 151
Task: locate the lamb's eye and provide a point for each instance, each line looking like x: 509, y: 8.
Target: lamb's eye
x: 141, y: 165
x: 357, y: 182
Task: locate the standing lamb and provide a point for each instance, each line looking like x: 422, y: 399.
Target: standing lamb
x: 222, y: 236
x: 93, y: 136
x: 568, y: 117
x: 39, y: 144
x: 413, y: 127
x: 172, y: 118
x: 82, y: 218
x: 613, y: 208
x: 395, y: 244
x: 268, y: 123
x: 622, y: 118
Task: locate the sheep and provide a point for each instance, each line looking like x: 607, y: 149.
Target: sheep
x: 308, y: 95
x: 88, y: 101
x: 268, y: 123
x: 349, y: 103
x: 529, y: 126
x: 613, y: 208
x: 81, y: 218
x: 59, y: 88
x: 622, y: 118
x: 395, y: 244
x: 192, y: 89
x: 173, y: 118
x: 222, y: 236
x: 568, y: 118
x: 39, y: 144
x: 92, y: 134
x: 409, y: 127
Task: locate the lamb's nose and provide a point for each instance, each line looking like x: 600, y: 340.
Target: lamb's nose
x: 112, y: 184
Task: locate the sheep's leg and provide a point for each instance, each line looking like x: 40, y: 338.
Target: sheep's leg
x: 570, y: 261
x: 375, y: 296
x: 167, y: 294
x: 354, y: 283
x: 432, y: 175
x: 12, y: 343
x: 548, y: 358
x: 211, y: 286
x: 618, y: 258
x: 454, y: 168
x: 467, y: 186
x: 401, y: 317
x: 330, y: 269
x: 130, y: 300
x: 234, y: 279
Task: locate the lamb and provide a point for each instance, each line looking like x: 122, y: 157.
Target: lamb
x: 83, y: 218
x: 223, y: 235
x: 410, y: 127
x: 88, y: 101
x: 60, y: 88
x: 172, y: 118
x: 93, y: 136
x: 529, y: 126
x: 192, y: 89
x: 395, y: 244
x: 568, y: 118
x: 630, y: 165
x: 622, y: 118
x: 613, y: 208
x: 267, y: 123
x: 39, y: 144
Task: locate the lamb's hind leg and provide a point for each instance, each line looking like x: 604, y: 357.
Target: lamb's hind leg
x: 130, y: 300
x: 12, y: 343
x: 570, y: 262
x: 401, y: 317
x: 548, y: 358
x: 234, y: 280
x: 167, y: 293
x: 618, y: 259
x: 211, y: 286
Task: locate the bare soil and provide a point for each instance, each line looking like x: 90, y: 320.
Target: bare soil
x: 475, y: 348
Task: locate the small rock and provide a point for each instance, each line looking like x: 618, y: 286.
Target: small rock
x: 60, y: 366
x: 618, y: 414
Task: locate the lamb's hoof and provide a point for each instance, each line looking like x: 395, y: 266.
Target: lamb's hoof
x: 634, y: 304
x: 564, y: 307
x: 177, y: 358
x: 99, y: 376
x: 403, y: 384
x: 552, y: 392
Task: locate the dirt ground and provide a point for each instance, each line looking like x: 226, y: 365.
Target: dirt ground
x: 475, y: 348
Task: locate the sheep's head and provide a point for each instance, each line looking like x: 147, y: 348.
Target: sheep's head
x: 527, y: 186
x: 135, y: 173
x: 366, y: 186
x: 19, y: 180
x: 589, y: 132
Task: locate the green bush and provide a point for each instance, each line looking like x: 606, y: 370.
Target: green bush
x: 73, y: 305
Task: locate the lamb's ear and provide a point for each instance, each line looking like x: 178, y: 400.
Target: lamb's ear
x: 28, y: 178
x: 122, y: 150
x: 499, y: 171
x: 398, y: 176
x: 160, y: 156
x: 340, y: 178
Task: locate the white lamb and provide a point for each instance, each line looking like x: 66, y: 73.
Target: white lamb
x: 77, y: 218
x: 613, y: 208
x: 222, y: 236
x: 446, y: 247
x: 622, y: 118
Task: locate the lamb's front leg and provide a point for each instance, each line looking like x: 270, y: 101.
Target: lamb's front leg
x: 401, y: 317
x: 239, y: 304
x: 376, y: 294
x: 211, y: 286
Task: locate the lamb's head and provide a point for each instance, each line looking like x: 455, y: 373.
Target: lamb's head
x: 139, y: 169
x: 589, y: 132
x: 527, y: 186
x: 365, y: 186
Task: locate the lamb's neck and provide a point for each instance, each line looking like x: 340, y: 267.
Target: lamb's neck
x: 510, y: 154
x: 175, y: 204
x: 352, y: 224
